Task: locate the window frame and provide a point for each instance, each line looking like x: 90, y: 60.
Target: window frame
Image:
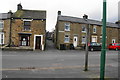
x: 1, y: 38
x: 68, y: 37
x: 27, y: 41
x: 1, y: 21
x: 95, y: 28
x: 68, y: 25
x: 83, y: 26
x: 27, y: 27
x: 83, y: 41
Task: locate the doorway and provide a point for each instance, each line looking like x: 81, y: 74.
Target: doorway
x: 75, y: 41
x: 38, y: 42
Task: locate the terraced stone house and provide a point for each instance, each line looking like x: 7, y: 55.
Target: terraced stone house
x: 72, y: 31
x: 27, y: 29
x: 4, y: 28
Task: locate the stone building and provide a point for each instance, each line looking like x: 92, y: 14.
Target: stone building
x: 27, y: 28
x: 4, y: 28
x: 72, y: 31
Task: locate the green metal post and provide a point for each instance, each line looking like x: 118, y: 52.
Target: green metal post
x: 103, y: 52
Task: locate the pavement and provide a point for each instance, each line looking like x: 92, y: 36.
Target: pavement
x: 53, y: 63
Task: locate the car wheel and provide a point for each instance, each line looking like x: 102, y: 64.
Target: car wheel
x: 116, y: 49
x: 92, y: 49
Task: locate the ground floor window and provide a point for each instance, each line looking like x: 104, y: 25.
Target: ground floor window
x: 94, y: 38
x: 1, y: 38
x: 83, y: 39
x: 66, y: 39
x: 24, y: 40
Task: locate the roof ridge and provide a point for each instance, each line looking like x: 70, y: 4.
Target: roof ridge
x: 82, y: 18
x: 32, y: 10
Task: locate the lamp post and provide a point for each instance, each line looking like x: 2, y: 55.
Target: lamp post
x: 87, y: 40
x: 103, y: 52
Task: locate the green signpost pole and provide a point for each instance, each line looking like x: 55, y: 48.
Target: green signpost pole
x: 103, y: 52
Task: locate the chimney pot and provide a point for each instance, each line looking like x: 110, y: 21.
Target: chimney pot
x: 85, y: 17
x: 59, y: 12
x: 19, y: 6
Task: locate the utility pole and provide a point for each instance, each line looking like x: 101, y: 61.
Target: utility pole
x: 103, y: 52
x: 86, y: 45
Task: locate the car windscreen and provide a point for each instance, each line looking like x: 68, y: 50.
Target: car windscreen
x: 117, y: 44
x: 95, y: 44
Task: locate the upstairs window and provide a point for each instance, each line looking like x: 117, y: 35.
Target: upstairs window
x: 94, y: 29
x: 27, y: 25
x: 67, y: 38
x: 83, y: 29
x: 67, y: 26
x: 1, y: 24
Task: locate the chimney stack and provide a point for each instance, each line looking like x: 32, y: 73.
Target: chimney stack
x: 85, y: 17
x: 59, y: 12
x: 19, y: 6
x: 10, y: 13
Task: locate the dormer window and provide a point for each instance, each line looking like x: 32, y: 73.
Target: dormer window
x: 67, y: 26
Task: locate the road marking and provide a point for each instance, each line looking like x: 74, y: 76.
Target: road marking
x: 50, y: 68
x: 8, y: 55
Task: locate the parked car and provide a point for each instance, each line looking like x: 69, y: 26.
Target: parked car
x: 94, y: 46
x: 114, y: 46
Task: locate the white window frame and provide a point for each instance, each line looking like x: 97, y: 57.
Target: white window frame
x: 96, y: 38
x: 83, y: 26
x: 83, y: 41
x: 95, y: 28
x: 114, y: 40
x: 68, y: 38
x: 29, y: 20
x: 41, y: 41
x: 1, y: 38
x: 68, y: 25
x: 1, y: 21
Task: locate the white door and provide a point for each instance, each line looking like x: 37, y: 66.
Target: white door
x: 113, y: 40
x: 75, y: 40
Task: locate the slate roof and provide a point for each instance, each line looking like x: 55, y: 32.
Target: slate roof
x: 4, y: 15
x: 81, y: 20
x: 32, y: 14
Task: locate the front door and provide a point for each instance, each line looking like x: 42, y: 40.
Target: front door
x: 75, y: 40
x: 38, y: 42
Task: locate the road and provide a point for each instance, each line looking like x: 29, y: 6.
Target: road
x: 54, y: 63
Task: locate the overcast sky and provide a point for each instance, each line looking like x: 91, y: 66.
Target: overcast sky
x: 75, y: 8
